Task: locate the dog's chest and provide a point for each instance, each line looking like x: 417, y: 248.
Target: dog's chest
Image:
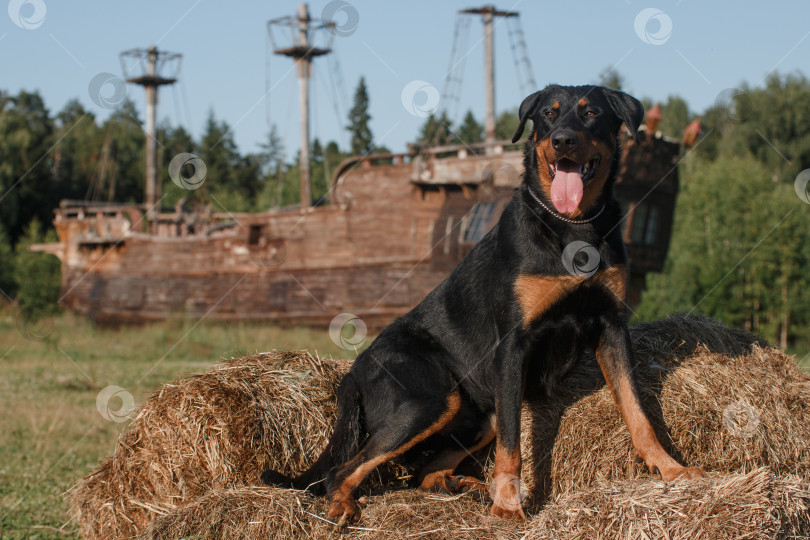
x: 536, y: 294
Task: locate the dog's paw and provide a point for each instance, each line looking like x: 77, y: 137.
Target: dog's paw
x: 512, y: 513
x: 343, y: 512
x: 682, y: 473
x: 690, y: 473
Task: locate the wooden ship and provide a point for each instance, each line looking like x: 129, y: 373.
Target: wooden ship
x: 394, y: 226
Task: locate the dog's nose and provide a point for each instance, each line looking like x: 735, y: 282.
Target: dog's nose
x: 564, y: 140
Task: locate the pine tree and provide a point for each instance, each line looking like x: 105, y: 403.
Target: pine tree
x: 272, y: 152
x: 362, y: 139
x: 506, y: 124
x: 436, y: 130
x: 470, y: 131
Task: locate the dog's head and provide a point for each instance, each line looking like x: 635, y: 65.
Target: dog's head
x: 575, y: 139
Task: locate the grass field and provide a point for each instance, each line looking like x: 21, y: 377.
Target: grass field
x: 51, y: 430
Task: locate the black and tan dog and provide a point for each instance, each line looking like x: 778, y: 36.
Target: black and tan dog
x: 453, y: 370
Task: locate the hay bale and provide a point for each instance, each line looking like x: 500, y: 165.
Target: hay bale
x: 215, y: 430
x: 266, y: 513
x: 754, y: 505
x: 215, y: 433
x: 702, y: 375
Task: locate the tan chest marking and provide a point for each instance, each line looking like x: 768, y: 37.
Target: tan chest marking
x: 536, y: 294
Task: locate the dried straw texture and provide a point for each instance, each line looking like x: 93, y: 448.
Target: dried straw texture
x: 756, y: 505
x: 217, y: 430
x: 700, y: 382
x: 212, y: 434
x: 267, y: 513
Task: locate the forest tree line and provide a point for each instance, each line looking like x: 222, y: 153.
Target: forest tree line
x: 740, y: 250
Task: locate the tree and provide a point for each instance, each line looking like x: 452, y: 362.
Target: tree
x: 232, y: 180
x: 436, y: 130
x: 610, y: 78
x: 8, y: 287
x: 79, y: 166
x: 506, y: 124
x: 470, y: 131
x: 272, y: 154
x: 37, y: 275
x: 26, y: 182
x: 675, y: 116
x: 124, y: 142
x: 362, y: 140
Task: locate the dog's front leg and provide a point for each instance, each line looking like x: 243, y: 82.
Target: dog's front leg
x: 614, y: 356
x: 506, y: 484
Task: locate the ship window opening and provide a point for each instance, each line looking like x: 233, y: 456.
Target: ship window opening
x: 478, y: 223
x: 646, y: 225
x: 653, y: 222
x: 254, y: 234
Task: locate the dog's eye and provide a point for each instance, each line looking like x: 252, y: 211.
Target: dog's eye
x: 590, y: 114
x: 549, y: 114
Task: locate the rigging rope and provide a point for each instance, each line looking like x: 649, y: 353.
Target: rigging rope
x: 524, y: 53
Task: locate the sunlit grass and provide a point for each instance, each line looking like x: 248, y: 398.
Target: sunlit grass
x: 51, y: 431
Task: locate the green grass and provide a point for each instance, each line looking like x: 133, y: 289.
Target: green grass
x: 51, y: 432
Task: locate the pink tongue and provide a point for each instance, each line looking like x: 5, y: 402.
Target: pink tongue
x: 566, y: 188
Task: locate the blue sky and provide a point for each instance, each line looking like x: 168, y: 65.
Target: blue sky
x: 695, y: 49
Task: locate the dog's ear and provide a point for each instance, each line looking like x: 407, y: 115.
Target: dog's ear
x: 626, y: 107
x: 523, y: 113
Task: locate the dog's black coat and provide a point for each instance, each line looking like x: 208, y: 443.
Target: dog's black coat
x: 470, y: 335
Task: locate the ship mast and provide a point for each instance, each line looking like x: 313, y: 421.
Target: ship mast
x: 488, y: 14
x: 302, y: 52
x: 151, y: 62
